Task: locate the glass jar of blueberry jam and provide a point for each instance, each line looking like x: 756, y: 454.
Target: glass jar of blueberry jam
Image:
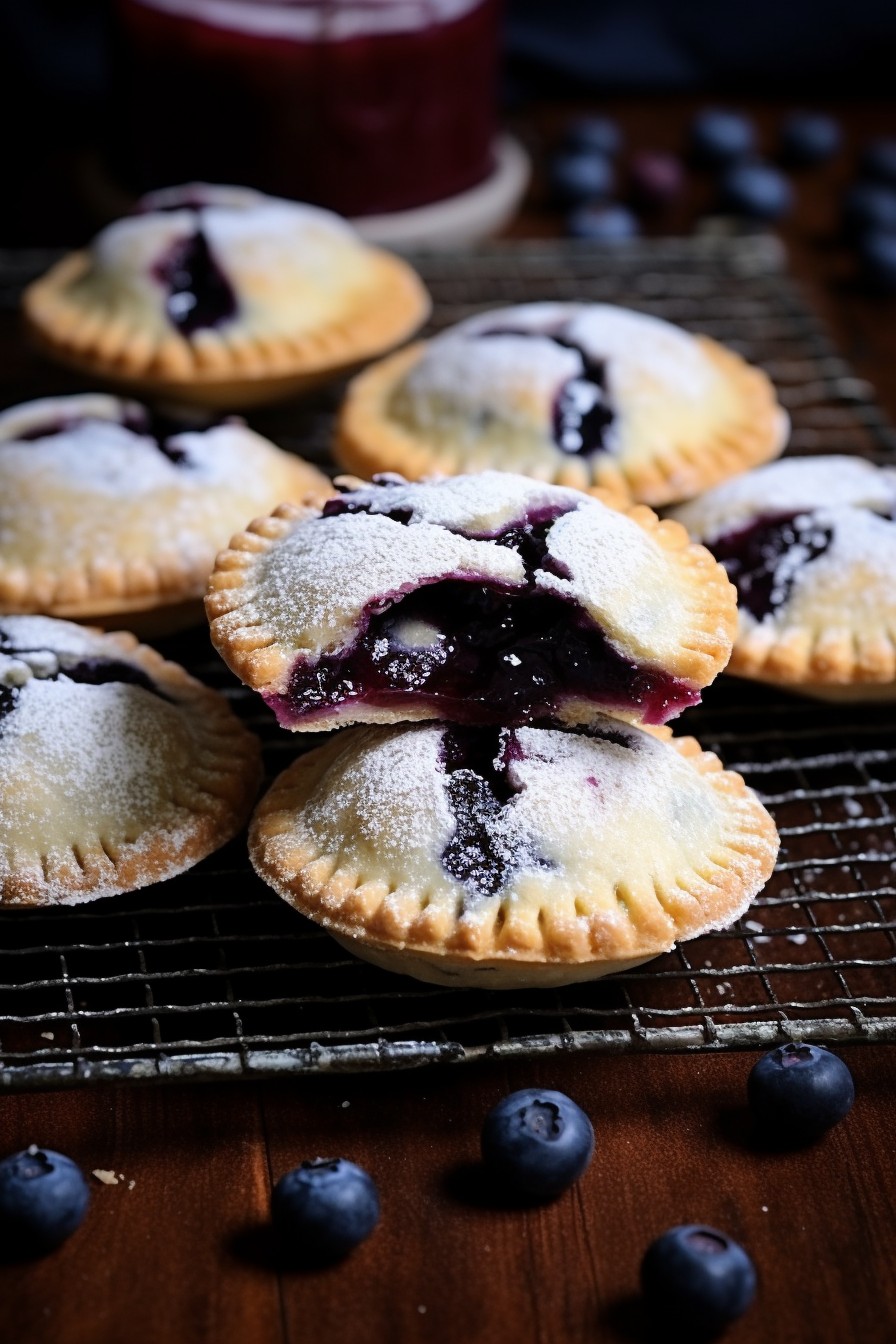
x: 364, y: 106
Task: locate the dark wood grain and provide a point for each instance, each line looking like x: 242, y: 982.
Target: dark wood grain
x: 185, y: 1257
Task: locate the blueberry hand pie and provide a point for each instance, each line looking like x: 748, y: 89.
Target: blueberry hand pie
x: 117, y: 769
x: 586, y: 395
x: 223, y: 296
x: 481, y: 599
x: 512, y: 857
x: 106, y: 511
x: 810, y: 543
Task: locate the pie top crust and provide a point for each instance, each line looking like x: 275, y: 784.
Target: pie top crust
x: 305, y: 586
x: 117, y: 769
x: 224, y: 295
x: 600, y: 845
x: 810, y: 543
x: 585, y: 395
x: 105, y: 511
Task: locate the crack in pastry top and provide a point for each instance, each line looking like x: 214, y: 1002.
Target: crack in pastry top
x: 517, y: 365
x: 800, y: 532
x: 280, y: 258
x: 577, y: 802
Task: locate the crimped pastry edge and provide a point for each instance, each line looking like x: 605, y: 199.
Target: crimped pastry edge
x: 825, y: 656
x: 367, y: 440
x: 251, y: 650
x: 357, y: 914
x: 210, y: 371
x: 107, y: 587
x: 226, y: 776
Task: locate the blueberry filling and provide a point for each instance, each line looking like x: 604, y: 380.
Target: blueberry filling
x: 763, y: 558
x: 199, y: 294
x: 480, y: 854
x: 582, y: 413
x: 477, y: 653
x: 87, y: 671
x: 139, y: 420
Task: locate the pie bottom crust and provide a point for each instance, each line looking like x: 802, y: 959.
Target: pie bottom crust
x: 385, y: 922
x: 207, y: 804
x: 369, y: 440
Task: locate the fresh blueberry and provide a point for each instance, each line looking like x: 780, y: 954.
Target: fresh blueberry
x: 537, y: 1142
x: 799, y: 1091
x: 656, y: 179
x: 879, y: 161
x: 576, y: 176
x: 43, y: 1199
x: 719, y: 138
x: 593, y: 135
x: 756, y: 190
x: 697, y: 1278
x: 602, y: 223
x: 878, y: 251
x: 869, y: 206
x: 810, y: 137
x: 325, y: 1208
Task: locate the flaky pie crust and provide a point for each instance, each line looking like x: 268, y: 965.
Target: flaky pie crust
x: 251, y: 648
x: 211, y: 368
x: 206, y: 806
x: 519, y: 944
x: 368, y: 439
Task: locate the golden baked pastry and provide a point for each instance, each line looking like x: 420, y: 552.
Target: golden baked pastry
x: 107, y: 511
x: 117, y: 769
x: 510, y: 858
x: 585, y: 395
x: 482, y: 599
x: 810, y: 543
x: 224, y: 297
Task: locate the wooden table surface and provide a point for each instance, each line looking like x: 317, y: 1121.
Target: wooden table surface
x: 178, y: 1251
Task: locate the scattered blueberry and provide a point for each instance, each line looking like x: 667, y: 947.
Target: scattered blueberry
x: 656, y: 179
x: 869, y: 206
x: 537, y: 1142
x: 756, y: 190
x: 878, y: 251
x: 879, y: 161
x: 603, y: 223
x: 810, y: 137
x: 698, y: 1278
x: 576, y: 176
x: 719, y: 138
x: 799, y: 1091
x: 593, y: 135
x: 325, y: 1208
x: 43, y: 1199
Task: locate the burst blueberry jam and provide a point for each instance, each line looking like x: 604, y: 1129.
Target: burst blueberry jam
x: 762, y: 559
x: 582, y: 413
x: 478, y: 854
x: 199, y: 294
x: 480, y: 653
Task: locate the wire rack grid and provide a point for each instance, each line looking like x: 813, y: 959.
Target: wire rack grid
x: 211, y: 976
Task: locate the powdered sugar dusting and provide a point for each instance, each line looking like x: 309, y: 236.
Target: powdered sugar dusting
x: 314, y: 588
x: 81, y: 762
x: 480, y: 505
x: 791, y: 485
x: 24, y: 633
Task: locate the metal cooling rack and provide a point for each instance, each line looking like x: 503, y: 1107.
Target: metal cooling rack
x: 211, y: 976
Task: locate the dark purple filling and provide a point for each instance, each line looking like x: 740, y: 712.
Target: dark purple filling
x: 480, y: 855
x: 199, y: 294
x: 508, y: 657
x: 582, y: 412
x: 88, y: 671
x: 477, y: 790
x: 762, y: 559
x: 148, y: 424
